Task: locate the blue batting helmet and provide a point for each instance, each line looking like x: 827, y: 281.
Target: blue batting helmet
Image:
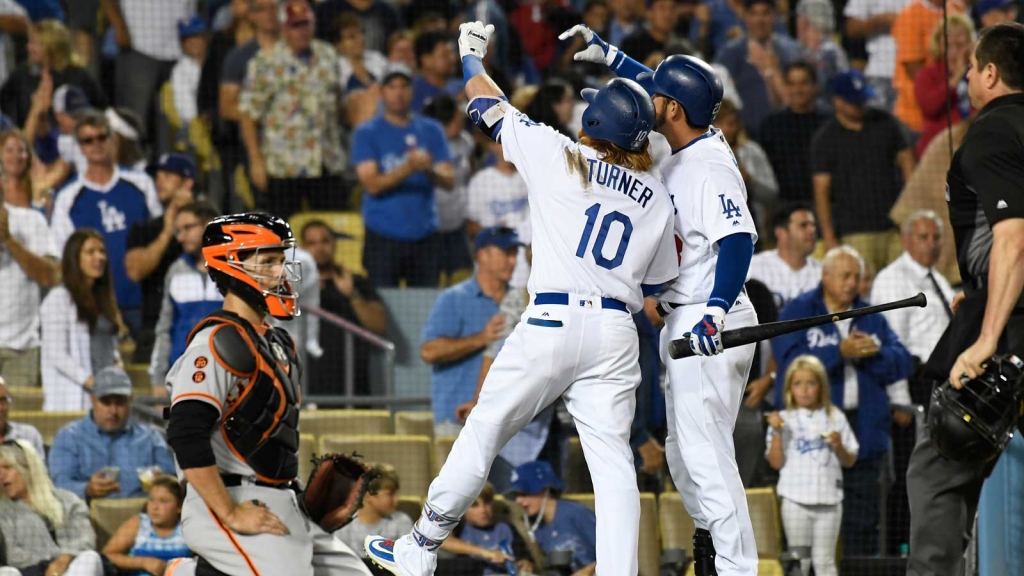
x: 620, y: 112
x: 689, y: 81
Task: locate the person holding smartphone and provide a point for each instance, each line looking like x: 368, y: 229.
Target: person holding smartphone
x: 97, y: 456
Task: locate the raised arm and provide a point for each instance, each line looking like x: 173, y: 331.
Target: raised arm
x: 598, y: 51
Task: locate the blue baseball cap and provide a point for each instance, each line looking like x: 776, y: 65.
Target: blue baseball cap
x: 500, y: 236
x: 984, y: 6
x: 176, y: 163
x: 70, y: 99
x: 852, y: 87
x: 194, y: 25
x: 533, y: 478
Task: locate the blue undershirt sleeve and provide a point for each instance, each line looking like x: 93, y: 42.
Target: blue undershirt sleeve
x: 734, y: 254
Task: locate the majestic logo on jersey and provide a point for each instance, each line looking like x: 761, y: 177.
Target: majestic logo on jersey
x: 729, y: 208
x: 113, y: 219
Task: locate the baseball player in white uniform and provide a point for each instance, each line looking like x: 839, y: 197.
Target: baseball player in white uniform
x: 601, y: 232
x: 717, y: 235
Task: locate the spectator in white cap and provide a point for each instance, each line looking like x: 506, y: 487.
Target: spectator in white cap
x: 104, y: 454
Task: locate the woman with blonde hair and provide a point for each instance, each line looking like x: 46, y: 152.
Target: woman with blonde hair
x: 944, y: 79
x: 22, y: 176
x: 809, y: 443
x: 52, y: 56
x: 47, y: 531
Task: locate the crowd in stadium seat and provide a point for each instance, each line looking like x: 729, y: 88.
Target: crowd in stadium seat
x: 127, y: 125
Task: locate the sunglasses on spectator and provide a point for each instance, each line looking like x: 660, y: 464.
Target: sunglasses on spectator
x: 101, y: 138
x: 297, y: 25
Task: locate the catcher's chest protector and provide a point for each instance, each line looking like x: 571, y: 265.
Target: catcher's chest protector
x: 260, y: 422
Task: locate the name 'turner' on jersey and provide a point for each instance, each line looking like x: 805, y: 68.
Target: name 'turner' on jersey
x: 617, y: 178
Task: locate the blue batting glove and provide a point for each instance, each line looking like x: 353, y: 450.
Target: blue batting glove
x: 706, y: 336
x: 597, y: 51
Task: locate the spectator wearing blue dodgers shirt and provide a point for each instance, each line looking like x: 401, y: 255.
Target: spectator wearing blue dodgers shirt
x: 466, y: 318
x: 866, y: 365
x: 399, y: 157
x: 107, y: 437
x: 555, y: 524
x: 110, y: 199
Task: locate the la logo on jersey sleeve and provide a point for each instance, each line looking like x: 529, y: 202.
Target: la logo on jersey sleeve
x: 730, y: 209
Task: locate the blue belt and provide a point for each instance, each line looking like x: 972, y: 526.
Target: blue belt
x: 563, y: 299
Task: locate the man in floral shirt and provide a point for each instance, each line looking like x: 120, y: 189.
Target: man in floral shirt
x: 289, y: 119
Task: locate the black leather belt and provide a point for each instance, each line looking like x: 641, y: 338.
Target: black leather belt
x: 232, y: 480
x: 666, y: 308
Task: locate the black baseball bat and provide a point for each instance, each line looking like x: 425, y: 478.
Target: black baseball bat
x: 680, y: 347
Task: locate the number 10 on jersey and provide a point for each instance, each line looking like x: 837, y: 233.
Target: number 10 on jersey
x: 606, y: 223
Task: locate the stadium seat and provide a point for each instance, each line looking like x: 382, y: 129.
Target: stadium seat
x: 320, y: 422
x: 109, y: 513
x: 764, y: 568
x: 139, y: 373
x: 442, y: 446
x: 577, y: 478
x: 26, y: 398
x: 307, y: 448
x: 48, y: 423
x: 349, y: 231
x: 410, y: 455
x: 650, y: 551
x: 675, y: 524
x: 411, y: 505
x: 415, y: 423
x: 764, y: 515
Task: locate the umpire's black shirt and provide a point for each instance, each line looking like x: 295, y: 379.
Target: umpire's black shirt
x: 985, y: 183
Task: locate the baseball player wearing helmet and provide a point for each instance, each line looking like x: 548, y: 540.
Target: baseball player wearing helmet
x: 602, y: 231
x: 234, y: 417
x: 717, y: 235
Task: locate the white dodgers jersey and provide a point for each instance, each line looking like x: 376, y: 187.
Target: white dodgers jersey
x: 598, y: 229
x: 710, y: 201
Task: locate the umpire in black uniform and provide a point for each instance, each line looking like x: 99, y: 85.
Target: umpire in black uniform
x: 985, y: 190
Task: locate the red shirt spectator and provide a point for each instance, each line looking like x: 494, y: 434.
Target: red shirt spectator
x: 938, y: 83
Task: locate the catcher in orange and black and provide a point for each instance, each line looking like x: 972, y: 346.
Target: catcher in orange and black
x: 234, y: 423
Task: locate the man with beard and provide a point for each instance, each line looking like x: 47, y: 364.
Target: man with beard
x: 188, y: 295
x: 714, y: 237
x: 351, y: 296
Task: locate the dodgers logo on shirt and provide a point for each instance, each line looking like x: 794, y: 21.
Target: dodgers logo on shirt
x: 113, y: 219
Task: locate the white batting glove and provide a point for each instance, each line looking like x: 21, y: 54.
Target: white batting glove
x: 597, y: 51
x: 473, y: 38
x: 706, y: 336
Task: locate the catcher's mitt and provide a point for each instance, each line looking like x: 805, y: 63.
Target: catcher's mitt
x: 335, y: 489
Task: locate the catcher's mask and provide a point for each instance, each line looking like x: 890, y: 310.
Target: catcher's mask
x: 975, y: 423
x: 253, y: 255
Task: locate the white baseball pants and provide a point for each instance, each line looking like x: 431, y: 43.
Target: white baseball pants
x: 816, y: 527
x: 703, y: 400
x: 589, y: 357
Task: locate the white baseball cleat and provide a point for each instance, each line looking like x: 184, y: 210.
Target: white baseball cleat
x: 402, y: 557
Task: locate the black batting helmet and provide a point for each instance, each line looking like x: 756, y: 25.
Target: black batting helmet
x: 974, y: 423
